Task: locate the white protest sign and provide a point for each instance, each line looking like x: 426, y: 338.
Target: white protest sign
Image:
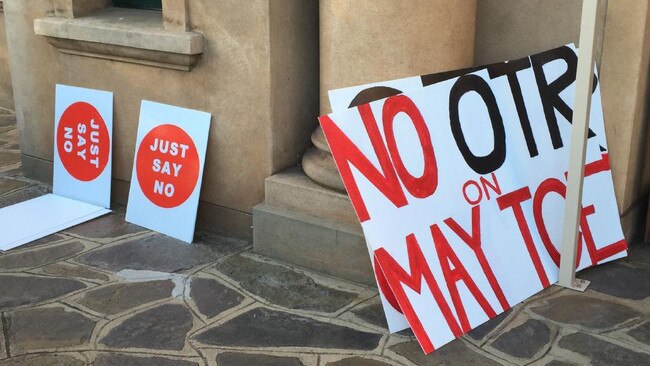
x: 39, y: 217
x: 459, y: 188
x: 168, y: 169
x: 83, y: 134
x: 83, y: 127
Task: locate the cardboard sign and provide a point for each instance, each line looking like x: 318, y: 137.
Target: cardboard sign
x: 39, y: 217
x: 83, y: 124
x: 168, y: 169
x: 83, y: 132
x: 459, y: 188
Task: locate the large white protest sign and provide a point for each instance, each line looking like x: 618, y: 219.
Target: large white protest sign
x: 459, y: 188
x: 168, y: 169
x: 83, y: 126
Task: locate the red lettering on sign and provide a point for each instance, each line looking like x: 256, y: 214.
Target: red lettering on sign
x: 384, y: 287
x: 167, y: 166
x: 448, y: 258
x: 598, y: 165
x: 546, y: 187
x: 514, y: 200
x: 479, y: 192
x: 474, y: 242
x: 494, y: 185
x: 346, y: 153
x: 597, y: 255
x: 425, y: 185
x: 83, y: 142
x: 396, y: 276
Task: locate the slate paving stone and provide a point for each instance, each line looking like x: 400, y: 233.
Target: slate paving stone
x: 21, y: 290
x: 9, y: 134
x: 602, y: 352
x: 560, y: 363
x: 269, y: 328
x: 357, y: 361
x: 283, y: 286
x: 486, y: 328
x: 4, y: 130
x: 154, y: 253
x: 213, y: 298
x: 246, y: 359
x: 42, y: 241
x: 39, y: 257
x: 373, y: 314
x: 639, y: 256
x: 7, y: 185
x: 618, y: 280
x: 43, y: 360
x: 222, y: 244
x: 9, y: 157
x: 163, y: 328
x: 7, y: 120
x: 16, y: 172
x: 124, y: 360
x: 641, y: 333
x: 11, y: 146
x: 23, y: 195
x: 3, y: 349
x: 40, y: 328
x: 455, y: 353
x: 108, y: 226
x: 525, y: 340
x: 74, y: 271
x: 120, y: 297
x: 585, y: 311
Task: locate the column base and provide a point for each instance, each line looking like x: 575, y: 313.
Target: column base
x: 312, y: 226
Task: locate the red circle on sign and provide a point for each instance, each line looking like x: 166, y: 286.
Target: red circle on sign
x: 82, y: 141
x: 167, y: 166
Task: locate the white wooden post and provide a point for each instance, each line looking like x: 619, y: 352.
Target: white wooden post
x: 581, y: 108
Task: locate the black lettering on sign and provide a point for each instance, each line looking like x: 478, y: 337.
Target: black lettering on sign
x: 492, y: 161
x: 509, y: 69
x: 550, y: 92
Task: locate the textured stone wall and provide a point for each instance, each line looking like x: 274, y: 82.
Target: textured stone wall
x: 257, y: 76
x: 365, y: 41
x: 6, y: 93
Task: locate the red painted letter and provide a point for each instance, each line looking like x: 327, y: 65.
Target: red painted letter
x: 420, y: 187
x: 474, y: 242
x: 396, y: 276
x: 346, y: 153
x: 446, y: 256
x: 513, y: 200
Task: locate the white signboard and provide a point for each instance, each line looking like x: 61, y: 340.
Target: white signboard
x: 83, y: 133
x: 459, y: 188
x: 83, y: 126
x: 39, y: 217
x: 168, y: 169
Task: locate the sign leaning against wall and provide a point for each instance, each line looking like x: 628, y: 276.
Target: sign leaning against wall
x: 459, y: 184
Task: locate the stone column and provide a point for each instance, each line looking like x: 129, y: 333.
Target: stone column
x: 307, y: 218
x: 365, y: 41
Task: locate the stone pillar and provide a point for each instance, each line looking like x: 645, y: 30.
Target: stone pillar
x: 311, y: 222
x: 365, y: 41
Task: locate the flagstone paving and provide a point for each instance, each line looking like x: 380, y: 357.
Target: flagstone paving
x: 111, y: 293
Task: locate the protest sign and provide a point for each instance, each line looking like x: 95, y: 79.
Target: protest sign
x: 168, y: 169
x: 459, y: 188
x: 83, y: 126
x: 82, y: 138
